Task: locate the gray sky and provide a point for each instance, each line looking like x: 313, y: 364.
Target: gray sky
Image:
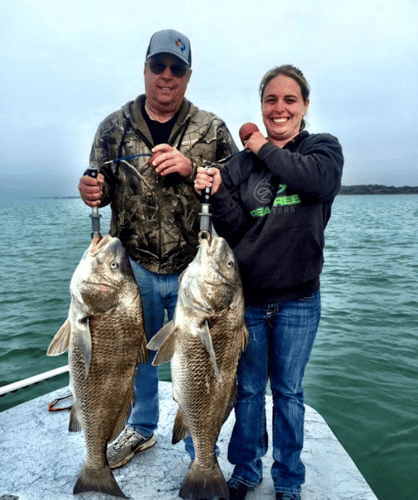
x: 65, y: 65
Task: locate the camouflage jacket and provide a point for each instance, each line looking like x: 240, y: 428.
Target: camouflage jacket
x: 156, y: 218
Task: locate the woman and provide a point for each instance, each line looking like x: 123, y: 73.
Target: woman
x: 272, y: 204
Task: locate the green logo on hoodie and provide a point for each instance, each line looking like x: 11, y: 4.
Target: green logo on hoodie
x: 281, y: 200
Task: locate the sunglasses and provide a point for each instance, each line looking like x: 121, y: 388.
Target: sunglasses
x: 178, y: 70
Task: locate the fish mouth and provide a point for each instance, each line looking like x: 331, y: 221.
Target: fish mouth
x: 204, y: 235
x: 99, y: 242
x: 95, y: 243
x: 211, y: 245
x: 205, y: 241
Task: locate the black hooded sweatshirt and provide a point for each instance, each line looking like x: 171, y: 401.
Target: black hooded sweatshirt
x: 273, y: 208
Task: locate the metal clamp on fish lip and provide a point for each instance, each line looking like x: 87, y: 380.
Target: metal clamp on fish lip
x: 95, y: 216
x: 205, y: 215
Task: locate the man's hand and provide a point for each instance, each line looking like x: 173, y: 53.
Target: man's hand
x: 91, y: 190
x: 171, y: 161
x: 207, y: 178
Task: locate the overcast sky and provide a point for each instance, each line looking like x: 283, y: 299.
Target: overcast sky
x: 65, y: 65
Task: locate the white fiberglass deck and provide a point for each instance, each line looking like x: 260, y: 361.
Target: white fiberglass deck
x: 40, y: 459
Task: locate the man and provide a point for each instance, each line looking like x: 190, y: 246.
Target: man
x: 155, y: 212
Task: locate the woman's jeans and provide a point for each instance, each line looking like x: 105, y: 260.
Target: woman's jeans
x: 158, y: 293
x: 281, y: 337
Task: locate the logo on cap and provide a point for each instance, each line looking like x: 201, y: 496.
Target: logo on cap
x: 181, y: 45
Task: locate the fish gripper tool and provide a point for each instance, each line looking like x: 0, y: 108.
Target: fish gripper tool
x: 95, y: 216
x: 205, y: 215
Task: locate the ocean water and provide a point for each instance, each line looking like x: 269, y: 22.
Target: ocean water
x: 363, y: 372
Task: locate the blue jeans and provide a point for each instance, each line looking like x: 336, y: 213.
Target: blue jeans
x: 159, y: 294
x: 281, y: 338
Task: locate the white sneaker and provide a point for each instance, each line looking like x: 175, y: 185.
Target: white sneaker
x: 126, y: 445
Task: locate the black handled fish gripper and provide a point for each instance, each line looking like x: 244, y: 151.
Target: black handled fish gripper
x: 93, y: 171
x: 205, y: 215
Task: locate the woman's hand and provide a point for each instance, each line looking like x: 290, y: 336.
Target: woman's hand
x: 255, y: 142
x: 207, y: 178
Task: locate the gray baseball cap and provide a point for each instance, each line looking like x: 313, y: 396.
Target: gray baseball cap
x: 170, y: 42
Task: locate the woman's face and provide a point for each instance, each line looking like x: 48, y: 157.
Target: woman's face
x: 283, y: 109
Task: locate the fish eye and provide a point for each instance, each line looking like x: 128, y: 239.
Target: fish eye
x: 230, y: 263
x: 114, y: 265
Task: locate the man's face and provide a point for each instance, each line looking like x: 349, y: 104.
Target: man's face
x: 165, y: 91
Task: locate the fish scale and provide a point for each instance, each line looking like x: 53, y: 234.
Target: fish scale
x: 202, y: 382
x: 105, y: 337
x: 204, y: 342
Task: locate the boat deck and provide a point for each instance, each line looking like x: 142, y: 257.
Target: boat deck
x: 40, y: 459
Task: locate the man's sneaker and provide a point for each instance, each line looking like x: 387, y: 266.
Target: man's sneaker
x: 287, y: 496
x: 126, y: 445
x: 237, y: 492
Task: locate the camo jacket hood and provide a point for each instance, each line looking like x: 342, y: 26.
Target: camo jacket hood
x: 156, y: 218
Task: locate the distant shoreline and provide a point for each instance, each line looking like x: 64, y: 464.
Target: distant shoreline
x: 377, y: 189
x: 345, y: 190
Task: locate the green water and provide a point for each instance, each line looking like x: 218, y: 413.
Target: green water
x: 363, y: 373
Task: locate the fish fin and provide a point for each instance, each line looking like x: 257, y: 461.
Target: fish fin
x: 61, y: 340
x: 83, y: 338
x: 204, y: 483
x: 204, y: 334
x: 123, y: 413
x: 75, y: 424
x: 98, y: 480
x: 180, y: 429
x: 166, y: 351
x: 165, y: 341
x: 158, y: 339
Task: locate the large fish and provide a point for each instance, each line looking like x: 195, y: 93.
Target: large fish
x: 105, y: 338
x: 204, y: 342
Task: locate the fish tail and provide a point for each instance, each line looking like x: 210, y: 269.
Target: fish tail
x: 204, y: 483
x: 98, y: 480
